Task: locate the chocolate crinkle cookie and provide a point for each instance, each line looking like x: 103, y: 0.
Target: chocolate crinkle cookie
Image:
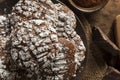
x: 38, y: 42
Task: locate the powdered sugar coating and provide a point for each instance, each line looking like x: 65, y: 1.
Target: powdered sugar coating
x: 43, y: 41
x: 3, y: 40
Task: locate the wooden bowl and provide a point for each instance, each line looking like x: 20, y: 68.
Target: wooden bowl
x: 81, y: 7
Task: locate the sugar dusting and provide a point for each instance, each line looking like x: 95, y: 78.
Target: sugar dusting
x: 35, y: 46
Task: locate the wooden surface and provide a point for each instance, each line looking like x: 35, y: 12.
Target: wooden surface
x: 105, y: 20
x: 106, y: 16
